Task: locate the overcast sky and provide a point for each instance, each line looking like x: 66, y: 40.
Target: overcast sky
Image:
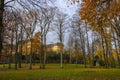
x: 64, y: 7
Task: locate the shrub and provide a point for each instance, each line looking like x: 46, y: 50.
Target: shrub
x: 101, y: 63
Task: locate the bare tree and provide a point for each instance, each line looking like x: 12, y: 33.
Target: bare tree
x: 9, y: 31
x: 8, y: 4
x: 79, y: 29
x: 45, y: 19
x: 60, y: 29
x: 1, y: 24
x: 31, y: 18
x: 70, y: 46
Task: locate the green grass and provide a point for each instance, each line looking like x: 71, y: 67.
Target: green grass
x: 52, y: 66
x: 69, y: 72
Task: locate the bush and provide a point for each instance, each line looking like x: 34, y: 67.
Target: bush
x: 101, y: 63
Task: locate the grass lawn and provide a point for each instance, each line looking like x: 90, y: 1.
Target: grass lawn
x: 69, y: 72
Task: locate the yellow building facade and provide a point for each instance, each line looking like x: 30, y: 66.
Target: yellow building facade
x: 56, y: 47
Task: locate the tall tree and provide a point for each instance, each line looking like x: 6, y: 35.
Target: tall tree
x: 31, y: 18
x: 26, y: 5
x: 9, y: 33
x: 99, y: 14
x: 45, y: 19
x: 70, y: 46
x: 60, y: 28
x: 79, y: 28
x: 1, y: 24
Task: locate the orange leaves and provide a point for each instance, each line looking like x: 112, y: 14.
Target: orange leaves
x: 87, y: 11
x: 100, y: 16
x: 97, y: 14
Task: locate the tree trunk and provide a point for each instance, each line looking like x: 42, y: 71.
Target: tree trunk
x: 104, y: 52
x: 40, y: 53
x: 84, y: 56
x: 61, y: 56
x: 21, y: 43
x: 26, y: 52
x: 16, y: 49
x: 61, y: 60
x: 30, y: 67
x: 107, y: 53
x: 116, y: 49
x: 10, y: 55
x: 42, y: 57
x: 44, y: 52
x: 69, y: 56
x: 1, y: 25
x: 88, y: 47
x: 82, y: 41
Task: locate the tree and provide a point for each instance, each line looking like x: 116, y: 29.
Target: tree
x: 1, y: 24
x: 9, y: 33
x: 25, y: 5
x: 60, y: 29
x: 70, y: 46
x: 45, y: 19
x: 31, y: 18
x: 79, y: 28
x: 99, y: 14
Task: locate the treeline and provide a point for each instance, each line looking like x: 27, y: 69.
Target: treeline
x: 96, y: 33
x: 21, y: 22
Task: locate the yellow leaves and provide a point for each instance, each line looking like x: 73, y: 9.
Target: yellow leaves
x: 110, y: 31
x: 92, y: 11
x: 35, y: 44
x: 99, y: 16
x: 98, y: 51
x: 113, y: 53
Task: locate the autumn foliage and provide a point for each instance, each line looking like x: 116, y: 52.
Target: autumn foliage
x: 103, y: 17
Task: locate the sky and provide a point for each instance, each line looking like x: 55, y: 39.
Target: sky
x: 66, y: 8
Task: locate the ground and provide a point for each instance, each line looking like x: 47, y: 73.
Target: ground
x: 53, y: 72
